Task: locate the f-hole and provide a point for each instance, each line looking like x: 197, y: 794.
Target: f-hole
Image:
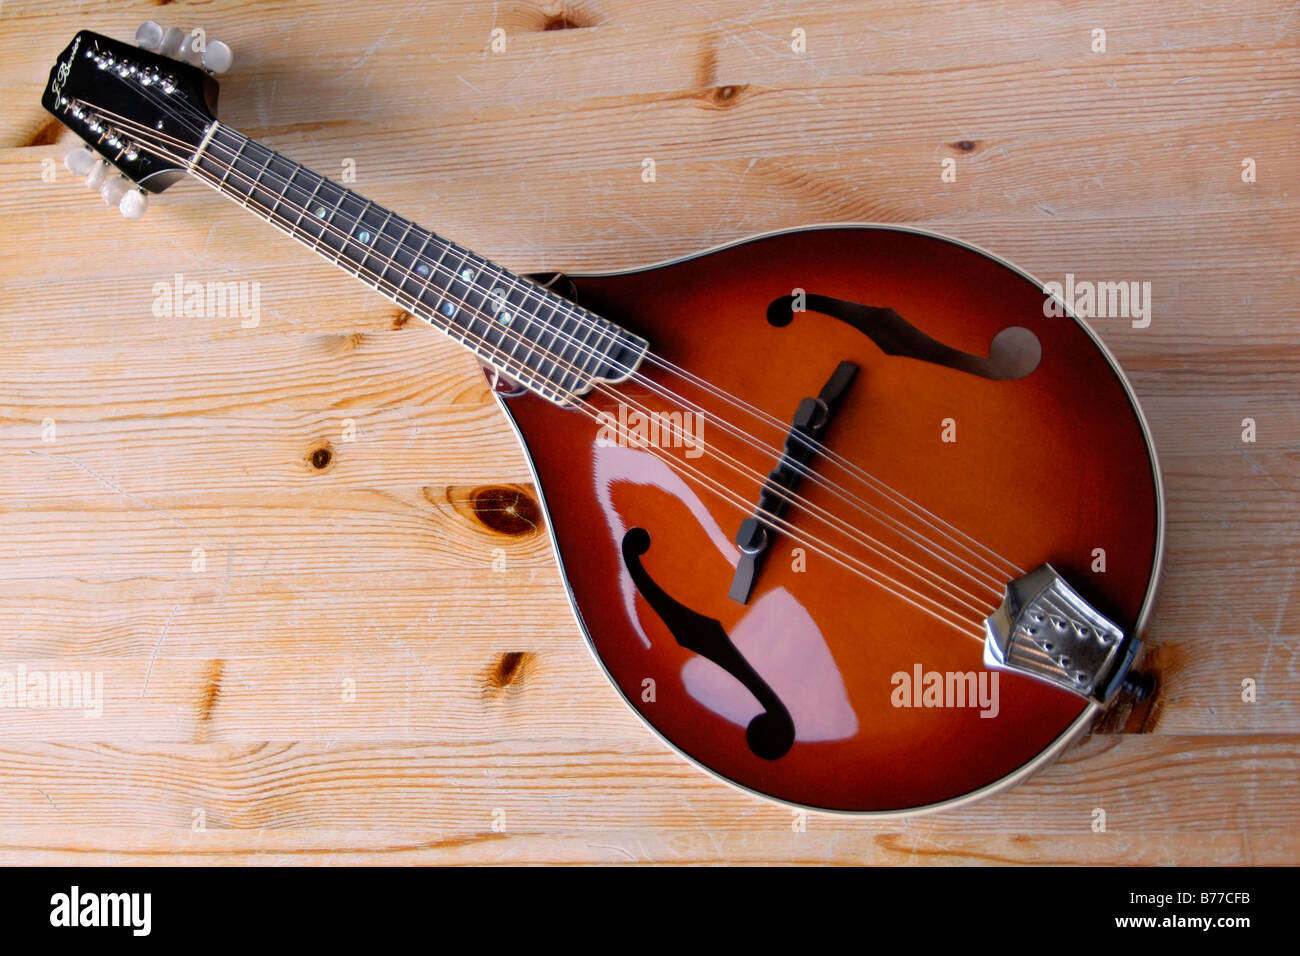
x: 1013, y: 353
x: 770, y: 735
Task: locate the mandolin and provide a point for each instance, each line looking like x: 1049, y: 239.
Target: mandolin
x: 858, y: 518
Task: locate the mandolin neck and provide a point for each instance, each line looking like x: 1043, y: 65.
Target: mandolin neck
x: 523, y: 330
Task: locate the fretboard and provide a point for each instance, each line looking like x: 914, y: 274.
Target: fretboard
x: 527, y: 332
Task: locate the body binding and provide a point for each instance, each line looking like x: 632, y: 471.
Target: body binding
x: 819, y: 690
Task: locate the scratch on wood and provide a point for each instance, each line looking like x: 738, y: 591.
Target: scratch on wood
x: 616, y: 849
x: 108, y: 483
x: 154, y: 656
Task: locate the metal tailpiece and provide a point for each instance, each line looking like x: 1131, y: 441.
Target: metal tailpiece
x: 1043, y: 628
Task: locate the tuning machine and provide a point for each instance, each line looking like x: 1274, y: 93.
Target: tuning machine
x: 114, y: 188
x: 212, y: 55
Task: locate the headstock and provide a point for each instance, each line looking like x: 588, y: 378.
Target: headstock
x: 144, y: 109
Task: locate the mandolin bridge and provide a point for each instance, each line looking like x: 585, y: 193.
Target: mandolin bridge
x: 1043, y: 628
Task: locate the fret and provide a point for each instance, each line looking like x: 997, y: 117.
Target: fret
x: 412, y: 273
x: 572, y: 346
x: 302, y: 210
x: 243, y: 141
x: 428, y: 273
x: 517, y: 323
x: 512, y: 319
x: 366, y: 233
x: 529, y: 332
x: 343, y: 232
x: 595, y: 352
x: 434, y: 271
x: 325, y: 217
x: 288, y: 180
x: 290, y: 195
x: 479, y: 301
x: 523, y: 329
x: 390, y: 260
x: 510, y: 322
x: 549, y: 329
x: 350, y: 234
x: 372, y: 245
x: 496, y: 316
x: 452, y: 301
x: 533, y: 308
x: 258, y: 178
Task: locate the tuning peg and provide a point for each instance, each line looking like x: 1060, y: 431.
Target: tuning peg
x: 188, y: 53
x: 217, y: 57
x: 170, y: 44
x: 133, y: 203
x: 95, y: 178
x: 114, y: 189
x: 79, y: 160
x: 149, y: 36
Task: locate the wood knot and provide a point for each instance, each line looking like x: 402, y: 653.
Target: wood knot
x: 211, y: 688
x: 47, y: 134
x: 567, y: 20
x: 506, y: 510
x: 401, y: 319
x: 1129, y: 715
x: 340, y: 343
x: 964, y: 145
x: 508, y: 670
x: 725, y: 97
x: 321, y: 457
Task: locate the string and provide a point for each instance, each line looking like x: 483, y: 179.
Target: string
x: 383, y: 280
x: 992, y: 583
x: 380, y: 278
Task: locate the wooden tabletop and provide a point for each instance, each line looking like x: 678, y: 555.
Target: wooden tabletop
x: 262, y: 537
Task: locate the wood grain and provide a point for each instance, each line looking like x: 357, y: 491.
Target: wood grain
x: 349, y: 679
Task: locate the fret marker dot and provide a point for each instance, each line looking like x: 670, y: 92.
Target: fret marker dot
x: 504, y: 318
x: 363, y: 236
x: 448, y: 309
x: 320, y: 212
x: 422, y: 269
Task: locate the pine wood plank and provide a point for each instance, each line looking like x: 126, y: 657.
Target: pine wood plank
x: 223, y: 688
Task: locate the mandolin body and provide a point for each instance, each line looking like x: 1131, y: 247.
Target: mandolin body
x: 1042, y: 458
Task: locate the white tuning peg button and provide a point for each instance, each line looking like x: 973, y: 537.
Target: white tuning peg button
x: 149, y: 36
x: 217, y: 57
x: 171, y: 42
x: 79, y: 160
x: 113, y: 190
x: 188, y: 53
x: 133, y: 204
x: 95, y: 178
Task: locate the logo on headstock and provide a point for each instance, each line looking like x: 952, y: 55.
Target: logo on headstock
x: 64, y: 69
